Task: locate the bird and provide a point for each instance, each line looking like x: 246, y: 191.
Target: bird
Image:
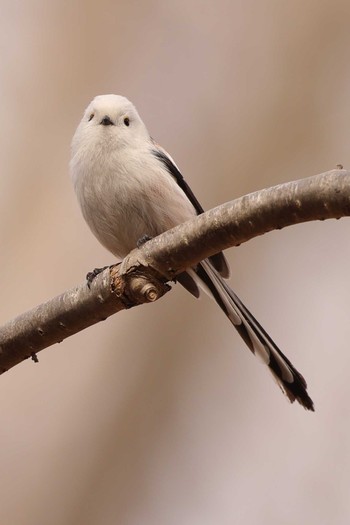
x: 129, y: 188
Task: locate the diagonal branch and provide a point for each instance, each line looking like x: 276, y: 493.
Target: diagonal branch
x: 143, y: 274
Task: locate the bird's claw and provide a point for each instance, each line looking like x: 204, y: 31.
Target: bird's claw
x: 91, y: 275
x: 143, y: 240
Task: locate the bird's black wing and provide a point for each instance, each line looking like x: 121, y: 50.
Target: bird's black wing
x: 218, y: 260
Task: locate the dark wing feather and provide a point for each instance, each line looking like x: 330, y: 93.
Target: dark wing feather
x: 218, y: 260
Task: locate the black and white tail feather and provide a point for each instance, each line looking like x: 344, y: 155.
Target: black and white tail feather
x: 291, y: 382
x: 210, y: 274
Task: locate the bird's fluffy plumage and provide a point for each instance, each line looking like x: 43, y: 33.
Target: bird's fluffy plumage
x: 128, y: 187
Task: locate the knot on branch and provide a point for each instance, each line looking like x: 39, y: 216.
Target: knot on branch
x: 146, y: 290
x: 135, y: 287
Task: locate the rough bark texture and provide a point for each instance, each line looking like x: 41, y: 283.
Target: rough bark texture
x: 143, y: 274
x: 72, y: 311
x: 324, y: 196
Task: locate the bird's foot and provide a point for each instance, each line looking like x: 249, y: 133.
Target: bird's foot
x: 143, y: 240
x: 91, y: 275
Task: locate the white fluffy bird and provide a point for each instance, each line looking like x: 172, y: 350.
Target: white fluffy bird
x: 129, y: 187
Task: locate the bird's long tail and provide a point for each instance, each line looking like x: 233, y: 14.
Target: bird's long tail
x: 291, y: 382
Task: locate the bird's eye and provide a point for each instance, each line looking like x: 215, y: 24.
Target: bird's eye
x: 126, y: 121
x: 91, y: 116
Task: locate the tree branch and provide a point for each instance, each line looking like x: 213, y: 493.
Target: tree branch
x: 143, y: 274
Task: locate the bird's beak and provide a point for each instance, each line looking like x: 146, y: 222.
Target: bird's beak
x: 106, y: 121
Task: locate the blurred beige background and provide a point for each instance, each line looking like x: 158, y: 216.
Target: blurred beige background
x: 160, y: 416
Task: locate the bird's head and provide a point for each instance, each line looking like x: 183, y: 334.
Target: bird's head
x: 109, y: 122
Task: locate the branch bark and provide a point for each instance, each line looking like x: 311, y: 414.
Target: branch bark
x: 143, y: 274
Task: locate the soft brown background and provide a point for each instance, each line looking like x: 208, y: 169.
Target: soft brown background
x: 160, y: 416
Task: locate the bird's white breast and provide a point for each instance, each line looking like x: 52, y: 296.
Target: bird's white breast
x: 126, y: 194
